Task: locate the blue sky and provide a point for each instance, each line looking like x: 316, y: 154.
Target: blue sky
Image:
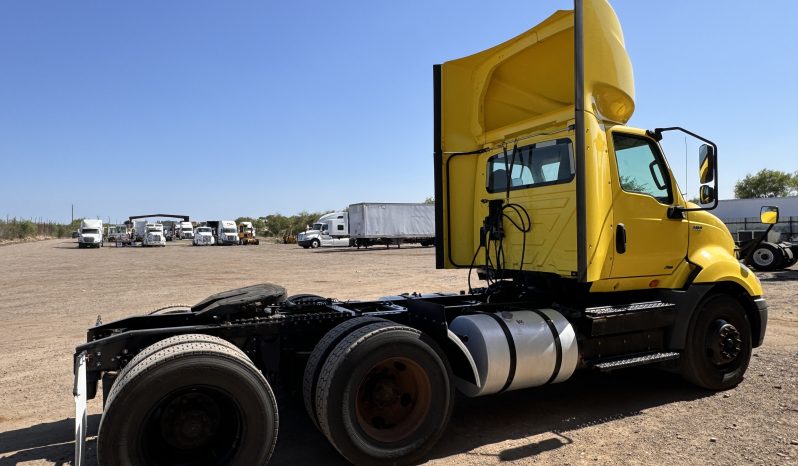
x: 224, y: 109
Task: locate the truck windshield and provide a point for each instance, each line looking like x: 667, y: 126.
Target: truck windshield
x: 229, y: 230
x: 90, y: 231
x: 203, y: 230
x: 153, y: 230
x: 316, y: 226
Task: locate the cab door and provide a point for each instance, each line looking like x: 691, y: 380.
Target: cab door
x: 647, y: 242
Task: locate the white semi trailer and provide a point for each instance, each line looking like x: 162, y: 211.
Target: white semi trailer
x: 391, y: 223
x: 369, y: 223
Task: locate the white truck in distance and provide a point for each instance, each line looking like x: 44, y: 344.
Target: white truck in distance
x: 226, y: 232
x: 151, y: 234
x: 184, y: 230
x: 203, y: 236
x: 369, y: 223
x: 90, y: 234
x: 329, y: 230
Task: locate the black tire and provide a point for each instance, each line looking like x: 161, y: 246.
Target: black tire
x: 320, y: 353
x: 314, y: 243
x: 718, y: 346
x: 166, y: 343
x: 767, y: 257
x: 790, y: 258
x: 384, y: 395
x: 189, y: 403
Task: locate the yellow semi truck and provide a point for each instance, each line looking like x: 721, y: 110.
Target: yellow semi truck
x: 591, y: 259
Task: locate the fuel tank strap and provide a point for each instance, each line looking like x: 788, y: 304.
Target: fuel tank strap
x: 557, y: 344
x: 511, y: 347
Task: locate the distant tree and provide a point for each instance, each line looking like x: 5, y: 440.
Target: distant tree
x: 767, y: 183
x: 429, y: 200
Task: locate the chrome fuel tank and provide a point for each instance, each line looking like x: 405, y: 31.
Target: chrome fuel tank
x: 517, y: 349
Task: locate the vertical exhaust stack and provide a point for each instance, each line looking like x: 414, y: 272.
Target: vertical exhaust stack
x: 579, y: 150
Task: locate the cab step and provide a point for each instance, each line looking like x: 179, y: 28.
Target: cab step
x: 632, y: 317
x: 606, y: 365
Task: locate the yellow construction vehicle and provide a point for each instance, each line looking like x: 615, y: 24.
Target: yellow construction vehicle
x: 246, y: 234
x: 592, y: 259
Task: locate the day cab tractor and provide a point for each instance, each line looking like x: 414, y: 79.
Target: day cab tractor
x: 591, y: 259
x: 246, y: 234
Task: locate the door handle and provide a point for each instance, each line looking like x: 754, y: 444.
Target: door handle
x: 620, y: 238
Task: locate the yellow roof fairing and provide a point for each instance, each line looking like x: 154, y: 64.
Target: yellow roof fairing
x: 527, y: 84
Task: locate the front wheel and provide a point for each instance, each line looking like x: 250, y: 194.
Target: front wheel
x: 315, y: 243
x: 384, y: 395
x: 718, y: 346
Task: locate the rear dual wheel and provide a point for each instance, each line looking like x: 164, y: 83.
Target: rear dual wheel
x: 193, y: 399
x: 383, y: 393
x: 767, y: 257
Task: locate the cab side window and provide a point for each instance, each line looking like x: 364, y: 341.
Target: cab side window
x: 540, y: 164
x: 640, y: 168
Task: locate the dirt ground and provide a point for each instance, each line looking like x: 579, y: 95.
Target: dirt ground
x: 52, y: 292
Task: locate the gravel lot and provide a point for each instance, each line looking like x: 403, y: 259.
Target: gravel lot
x: 52, y: 292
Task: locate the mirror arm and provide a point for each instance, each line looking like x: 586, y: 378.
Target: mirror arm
x: 676, y: 212
x: 657, y: 134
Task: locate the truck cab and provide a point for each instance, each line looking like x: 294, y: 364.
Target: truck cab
x: 329, y: 230
x: 90, y: 234
x: 203, y: 236
x: 226, y: 233
x: 186, y: 230
x: 154, y: 235
x: 543, y: 187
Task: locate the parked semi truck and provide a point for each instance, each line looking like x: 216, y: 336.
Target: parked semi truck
x: 370, y: 223
x: 90, y: 234
x: 185, y: 230
x: 540, y: 189
x: 330, y: 229
x: 224, y: 231
x: 153, y: 235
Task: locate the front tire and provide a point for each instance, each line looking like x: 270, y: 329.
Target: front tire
x: 718, y: 346
x: 384, y: 395
x: 195, y: 402
x: 315, y: 243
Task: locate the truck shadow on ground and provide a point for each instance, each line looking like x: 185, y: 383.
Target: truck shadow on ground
x: 49, y: 441
x: 779, y: 276
x: 540, y: 417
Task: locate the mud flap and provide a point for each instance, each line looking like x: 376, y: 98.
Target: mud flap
x: 80, y: 409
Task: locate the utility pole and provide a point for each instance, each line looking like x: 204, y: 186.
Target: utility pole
x: 73, y: 214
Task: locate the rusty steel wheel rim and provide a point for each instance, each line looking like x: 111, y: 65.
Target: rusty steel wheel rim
x: 393, y: 399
